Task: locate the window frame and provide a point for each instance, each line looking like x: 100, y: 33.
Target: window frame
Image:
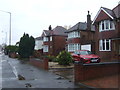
x: 45, y: 39
x: 106, y: 25
x: 45, y: 48
x: 73, y: 47
x: 73, y: 34
x: 104, y: 42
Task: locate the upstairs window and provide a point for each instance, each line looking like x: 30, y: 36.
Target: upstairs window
x: 74, y: 34
x: 104, y: 45
x: 50, y: 38
x: 106, y: 25
x: 45, y: 39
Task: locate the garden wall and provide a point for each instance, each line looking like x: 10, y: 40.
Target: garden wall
x: 90, y: 71
x: 39, y: 63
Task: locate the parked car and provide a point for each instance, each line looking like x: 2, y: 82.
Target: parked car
x: 85, y: 56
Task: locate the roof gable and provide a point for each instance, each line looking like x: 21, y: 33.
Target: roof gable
x: 106, y: 11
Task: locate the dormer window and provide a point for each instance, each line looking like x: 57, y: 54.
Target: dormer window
x: 106, y: 25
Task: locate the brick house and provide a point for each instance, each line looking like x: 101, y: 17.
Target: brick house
x: 81, y: 36
x: 54, y: 40
x: 107, y: 33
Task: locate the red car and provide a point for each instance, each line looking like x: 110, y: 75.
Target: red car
x: 85, y: 56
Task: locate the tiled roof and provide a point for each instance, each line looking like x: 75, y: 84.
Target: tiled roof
x: 38, y: 38
x: 116, y: 10
x: 80, y: 26
x: 59, y: 30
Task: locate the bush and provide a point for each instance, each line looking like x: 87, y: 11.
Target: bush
x: 64, y: 58
x: 11, y: 49
x: 52, y: 58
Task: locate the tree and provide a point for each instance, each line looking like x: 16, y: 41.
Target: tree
x: 26, y: 46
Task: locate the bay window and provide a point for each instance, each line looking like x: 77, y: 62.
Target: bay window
x: 73, y: 47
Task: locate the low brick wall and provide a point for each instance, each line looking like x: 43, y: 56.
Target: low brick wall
x: 90, y: 71
x: 39, y: 63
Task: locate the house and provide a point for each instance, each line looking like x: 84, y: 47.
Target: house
x: 107, y: 33
x: 38, y: 43
x: 81, y: 36
x: 54, y: 40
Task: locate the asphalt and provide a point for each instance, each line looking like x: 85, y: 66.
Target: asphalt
x: 33, y: 77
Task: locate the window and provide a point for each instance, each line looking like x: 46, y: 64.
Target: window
x: 50, y: 38
x: 73, y: 34
x: 106, y: 25
x: 104, y: 45
x: 73, y: 47
x: 45, y: 39
x: 45, y: 48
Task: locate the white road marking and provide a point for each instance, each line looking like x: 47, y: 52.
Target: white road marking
x: 14, y: 70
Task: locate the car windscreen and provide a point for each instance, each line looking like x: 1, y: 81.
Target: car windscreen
x: 83, y: 52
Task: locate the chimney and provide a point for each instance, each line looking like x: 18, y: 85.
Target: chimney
x: 50, y: 28
x: 88, y: 21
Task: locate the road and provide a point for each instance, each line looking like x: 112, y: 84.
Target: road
x: 33, y: 77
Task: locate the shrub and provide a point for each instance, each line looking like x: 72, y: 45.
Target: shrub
x: 11, y: 49
x: 52, y: 58
x: 64, y: 58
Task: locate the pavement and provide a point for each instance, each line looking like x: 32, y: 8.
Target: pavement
x: 112, y: 81
x: 33, y: 77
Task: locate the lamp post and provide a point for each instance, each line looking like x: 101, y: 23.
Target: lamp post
x: 9, y: 26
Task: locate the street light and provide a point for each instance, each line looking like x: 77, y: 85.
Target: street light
x: 9, y: 27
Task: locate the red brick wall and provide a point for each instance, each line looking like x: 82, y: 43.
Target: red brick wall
x: 73, y: 40
x: 90, y: 71
x: 102, y: 16
x: 59, y: 43
x: 39, y: 63
x: 56, y: 45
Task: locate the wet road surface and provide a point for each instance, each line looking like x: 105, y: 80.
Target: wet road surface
x: 32, y: 77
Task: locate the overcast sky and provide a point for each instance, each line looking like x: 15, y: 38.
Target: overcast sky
x: 34, y: 16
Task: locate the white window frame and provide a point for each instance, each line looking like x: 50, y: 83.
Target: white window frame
x: 74, y: 34
x: 45, y: 39
x: 50, y: 38
x: 45, y: 48
x: 105, y: 43
x: 73, y: 47
x: 103, y: 23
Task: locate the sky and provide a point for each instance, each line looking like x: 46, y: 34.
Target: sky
x: 34, y: 16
